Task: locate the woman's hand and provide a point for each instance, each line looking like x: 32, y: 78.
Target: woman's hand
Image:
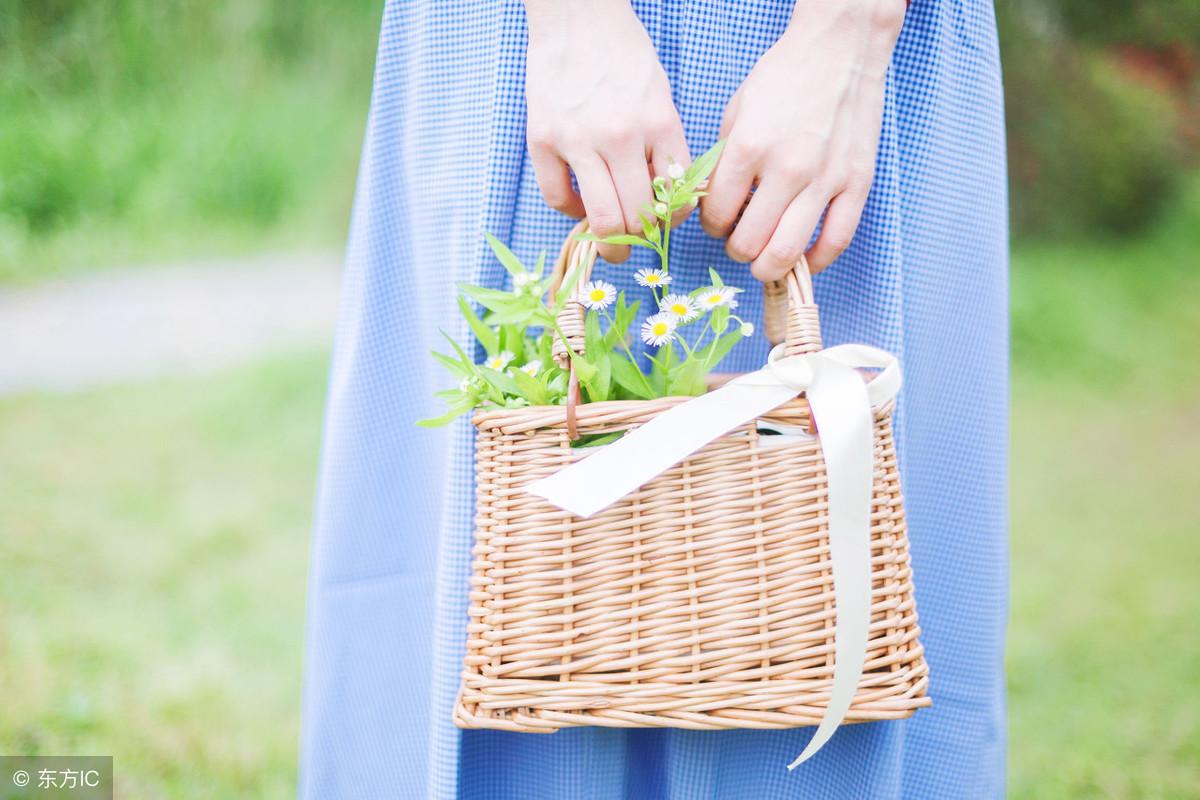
x: 599, y: 104
x: 803, y: 130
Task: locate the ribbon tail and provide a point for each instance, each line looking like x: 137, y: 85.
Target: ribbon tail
x: 842, y: 410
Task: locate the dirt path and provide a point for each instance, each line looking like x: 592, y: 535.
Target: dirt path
x: 122, y: 325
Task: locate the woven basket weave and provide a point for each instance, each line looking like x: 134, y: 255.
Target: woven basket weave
x: 703, y: 600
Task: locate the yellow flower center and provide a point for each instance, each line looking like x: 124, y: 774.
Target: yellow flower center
x: 714, y: 299
x: 660, y: 329
x: 651, y: 278
x: 597, y: 295
x: 679, y: 309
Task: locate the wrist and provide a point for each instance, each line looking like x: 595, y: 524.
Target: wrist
x: 554, y: 18
x: 886, y: 16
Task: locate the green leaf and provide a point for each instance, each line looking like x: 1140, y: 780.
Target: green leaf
x: 458, y: 350
x: 512, y: 339
x: 600, y: 384
x: 716, y: 279
x: 629, y: 377
x: 457, y: 410
x: 503, y: 318
x: 722, y: 346
x: 564, y: 292
x: 459, y: 369
x: 501, y: 381
x: 485, y: 335
x: 541, y: 264
x: 510, y: 261
x: 597, y: 439
x: 530, y: 387
x: 688, y: 379
x: 720, y: 319
x: 491, y: 299
x: 623, y: 316
x: 616, y: 238
x: 650, y: 229
x: 556, y: 387
x: 703, y: 166
x: 593, y: 340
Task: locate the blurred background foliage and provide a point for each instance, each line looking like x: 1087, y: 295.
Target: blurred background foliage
x: 131, y: 130
x: 134, y: 129
x: 176, y: 510
x: 1103, y: 104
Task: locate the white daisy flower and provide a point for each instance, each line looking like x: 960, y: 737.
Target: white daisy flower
x: 522, y: 279
x: 652, y: 278
x: 531, y: 368
x: 598, y: 294
x: 675, y: 171
x: 680, y: 306
x: 747, y: 329
x: 717, y: 296
x: 658, y: 329
x: 499, y: 361
x: 660, y: 209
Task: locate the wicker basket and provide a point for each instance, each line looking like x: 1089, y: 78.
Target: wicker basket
x: 703, y: 600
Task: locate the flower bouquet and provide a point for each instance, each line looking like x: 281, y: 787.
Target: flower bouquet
x: 530, y: 356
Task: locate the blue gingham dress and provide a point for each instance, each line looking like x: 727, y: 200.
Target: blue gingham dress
x: 445, y: 160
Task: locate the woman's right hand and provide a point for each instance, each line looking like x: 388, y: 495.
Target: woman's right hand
x: 599, y: 105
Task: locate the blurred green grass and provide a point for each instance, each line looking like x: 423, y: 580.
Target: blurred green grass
x: 154, y: 539
x: 137, y: 129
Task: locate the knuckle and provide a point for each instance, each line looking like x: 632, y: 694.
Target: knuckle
x: 782, y: 252
x: 662, y: 127
x: 540, y: 137
x: 606, y: 221
x: 831, y: 182
x: 766, y: 272
x: 739, y: 249
x: 888, y: 16
x: 859, y: 175
x: 615, y: 136
x: 747, y: 150
x: 558, y: 200
x: 838, y: 239
x: 796, y: 169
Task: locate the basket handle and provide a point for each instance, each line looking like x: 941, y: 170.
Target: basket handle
x: 576, y: 255
x: 789, y: 310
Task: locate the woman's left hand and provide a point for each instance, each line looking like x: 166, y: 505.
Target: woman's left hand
x: 802, y: 131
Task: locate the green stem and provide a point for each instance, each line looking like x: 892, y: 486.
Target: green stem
x: 700, y: 338
x: 632, y: 360
x: 683, y: 343
x: 666, y: 247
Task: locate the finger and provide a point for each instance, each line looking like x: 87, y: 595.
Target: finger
x: 728, y: 189
x: 601, y: 204
x: 841, y: 221
x: 730, y: 115
x: 670, y: 147
x: 554, y: 181
x: 791, y: 236
x: 631, y: 176
x: 759, y: 220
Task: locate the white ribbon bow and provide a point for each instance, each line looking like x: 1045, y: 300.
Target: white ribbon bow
x: 841, y: 405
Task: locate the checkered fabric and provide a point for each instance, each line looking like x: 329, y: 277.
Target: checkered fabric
x: 445, y: 160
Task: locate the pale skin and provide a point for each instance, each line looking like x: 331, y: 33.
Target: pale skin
x: 801, y: 131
